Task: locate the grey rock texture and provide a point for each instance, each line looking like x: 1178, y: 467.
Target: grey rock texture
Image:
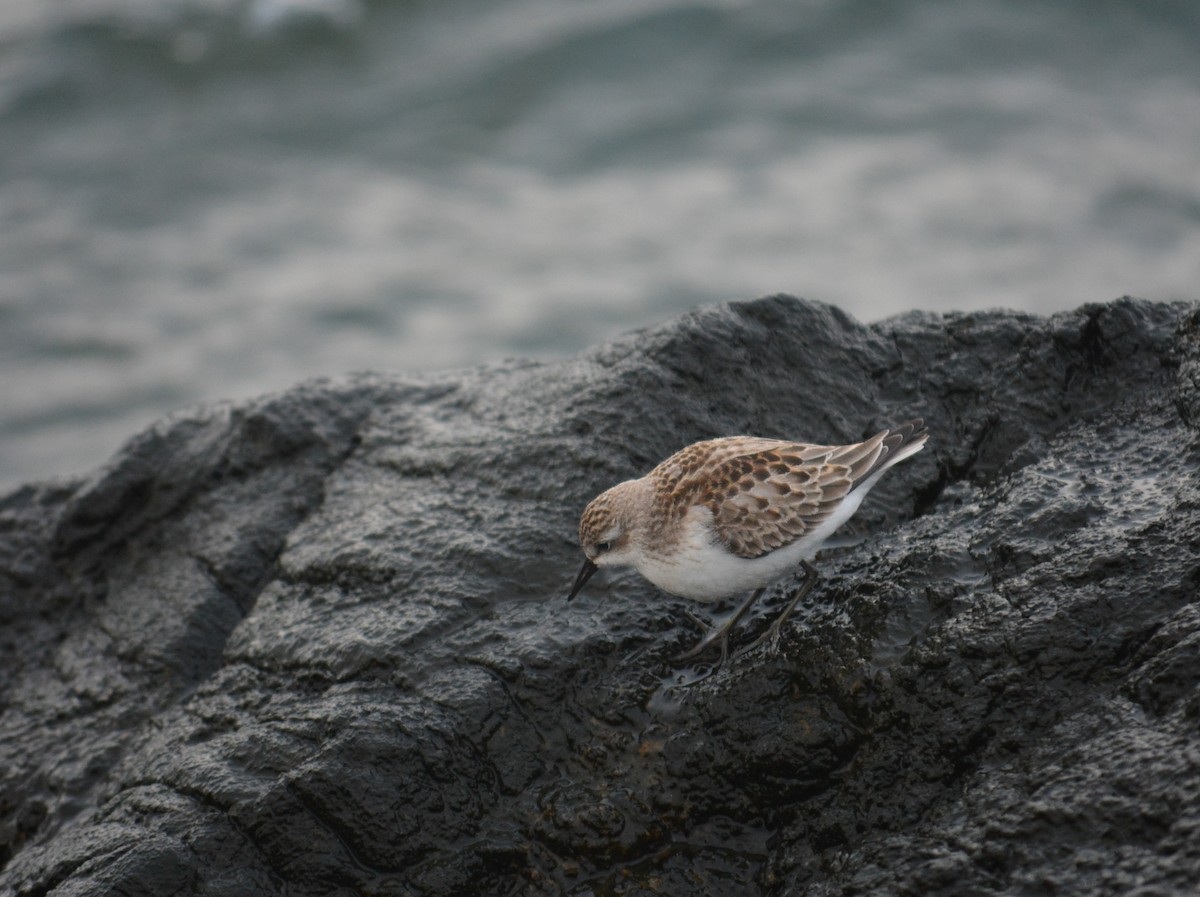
x: 317, y: 643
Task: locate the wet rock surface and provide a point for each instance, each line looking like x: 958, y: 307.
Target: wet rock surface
x: 317, y: 643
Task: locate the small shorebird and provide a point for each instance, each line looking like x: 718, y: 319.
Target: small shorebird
x: 729, y: 515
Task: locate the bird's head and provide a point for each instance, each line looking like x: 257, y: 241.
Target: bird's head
x: 605, y: 533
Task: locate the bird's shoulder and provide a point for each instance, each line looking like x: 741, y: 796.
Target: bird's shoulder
x: 705, y: 460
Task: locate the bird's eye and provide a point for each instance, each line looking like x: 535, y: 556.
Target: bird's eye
x: 604, y: 546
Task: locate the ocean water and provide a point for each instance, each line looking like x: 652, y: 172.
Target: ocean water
x: 207, y: 199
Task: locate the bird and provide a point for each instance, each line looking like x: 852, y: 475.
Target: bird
x: 734, y: 514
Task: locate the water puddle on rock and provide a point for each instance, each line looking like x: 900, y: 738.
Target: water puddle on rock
x: 671, y: 694
x: 946, y: 579
x: 903, y: 629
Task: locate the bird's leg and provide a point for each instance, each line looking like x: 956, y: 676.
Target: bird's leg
x: 772, y: 634
x: 721, y: 633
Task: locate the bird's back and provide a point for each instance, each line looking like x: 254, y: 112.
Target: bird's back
x: 763, y: 494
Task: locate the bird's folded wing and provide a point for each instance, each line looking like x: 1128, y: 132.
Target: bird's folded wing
x: 767, y: 499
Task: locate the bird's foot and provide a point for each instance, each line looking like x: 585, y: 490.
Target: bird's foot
x: 719, y: 634
x: 775, y: 630
x: 715, y: 635
x: 770, y: 638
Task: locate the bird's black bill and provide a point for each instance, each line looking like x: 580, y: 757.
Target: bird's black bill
x: 585, y: 574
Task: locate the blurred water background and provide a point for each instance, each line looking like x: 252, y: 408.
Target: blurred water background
x: 207, y: 199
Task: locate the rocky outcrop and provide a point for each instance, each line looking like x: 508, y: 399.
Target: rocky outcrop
x: 317, y: 643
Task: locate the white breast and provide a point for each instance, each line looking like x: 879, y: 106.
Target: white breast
x: 699, y: 567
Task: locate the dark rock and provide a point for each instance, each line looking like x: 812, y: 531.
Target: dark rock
x: 317, y: 643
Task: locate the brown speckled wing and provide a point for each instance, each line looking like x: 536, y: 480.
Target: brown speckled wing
x: 769, y: 498
x: 686, y: 476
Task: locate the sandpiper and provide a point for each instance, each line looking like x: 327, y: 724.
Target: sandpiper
x: 729, y: 515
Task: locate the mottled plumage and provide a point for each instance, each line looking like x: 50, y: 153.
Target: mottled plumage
x: 727, y: 515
